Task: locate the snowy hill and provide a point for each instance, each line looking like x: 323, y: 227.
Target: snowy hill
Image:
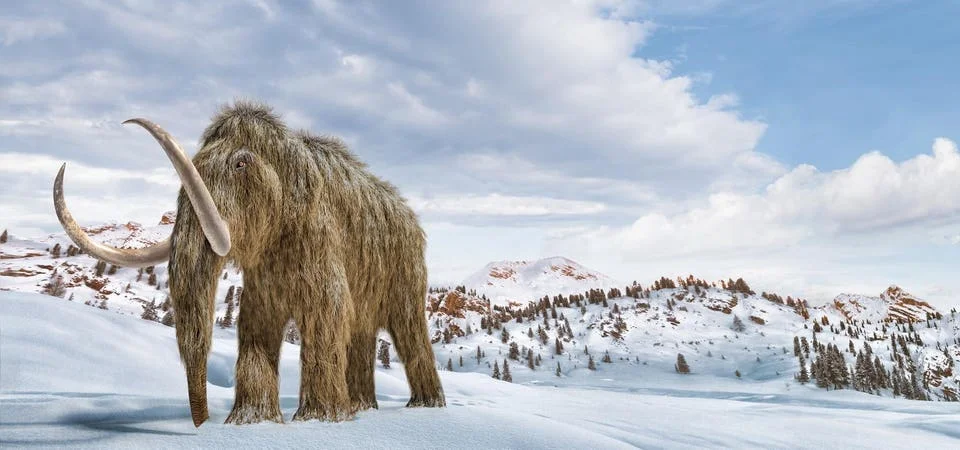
x: 523, y: 281
x: 79, y: 377
x: 893, y: 304
x: 617, y: 337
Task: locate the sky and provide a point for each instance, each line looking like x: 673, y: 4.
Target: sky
x: 809, y: 147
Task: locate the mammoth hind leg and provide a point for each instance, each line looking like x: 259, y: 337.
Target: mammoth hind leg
x: 409, y: 332
x: 360, y: 363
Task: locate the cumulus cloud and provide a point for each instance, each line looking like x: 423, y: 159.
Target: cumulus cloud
x: 873, y: 195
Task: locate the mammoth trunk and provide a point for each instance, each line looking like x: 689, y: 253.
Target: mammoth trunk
x: 194, y: 270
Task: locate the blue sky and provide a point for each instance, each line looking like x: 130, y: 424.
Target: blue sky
x: 807, y: 146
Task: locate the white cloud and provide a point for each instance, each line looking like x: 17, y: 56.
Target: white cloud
x: 503, y: 205
x: 17, y: 29
x: 872, y: 197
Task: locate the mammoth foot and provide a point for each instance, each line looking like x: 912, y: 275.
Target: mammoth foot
x: 365, y: 404
x: 324, y: 414
x: 241, y: 415
x: 435, y: 401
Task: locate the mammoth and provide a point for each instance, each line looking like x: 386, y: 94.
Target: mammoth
x: 320, y: 240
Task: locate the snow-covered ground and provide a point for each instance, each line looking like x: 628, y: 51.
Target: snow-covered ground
x: 75, y: 376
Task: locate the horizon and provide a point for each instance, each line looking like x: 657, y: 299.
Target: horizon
x: 809, y: 149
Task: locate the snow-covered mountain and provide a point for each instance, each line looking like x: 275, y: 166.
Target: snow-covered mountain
x: 523, y: 281
x: 630, y: 332
x: 893, y: 304
x: 79, y: 377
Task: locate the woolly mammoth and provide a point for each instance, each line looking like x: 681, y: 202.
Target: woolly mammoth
x: 320, y: 240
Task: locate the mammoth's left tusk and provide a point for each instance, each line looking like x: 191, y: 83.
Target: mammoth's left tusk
x: 214, y: 227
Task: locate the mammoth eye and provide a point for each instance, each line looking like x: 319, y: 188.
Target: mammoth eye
x: 241, y: 164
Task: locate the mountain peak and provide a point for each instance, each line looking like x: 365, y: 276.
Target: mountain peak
x: 521, y: 281
x: 894, y: 304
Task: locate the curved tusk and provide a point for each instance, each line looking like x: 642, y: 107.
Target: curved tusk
x: 140, y: 257
x: 214, y: 227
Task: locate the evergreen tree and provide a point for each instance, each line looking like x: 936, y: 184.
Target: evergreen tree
x: 681, y: 366
x: 504, y: 336
x: 168, y: 319
x: 227, y: 320
x: 738, y: 325
x: 55, y: 286
x: 496, y: 370
x: 103, y: 304
x: 558, y: 372
x: 506, y: 372
x: 384, y: 354
x: 530, y: 359
x: 479, y: 355
x: 737, y: 373
x: 292, y: 334
x: 149, y: 311
x: 113, y: 270
x: 803, y: 377
x: 55, y: 251
x: 590, y: 364
x: 558, y: 346
x: 99, y: 268
x: 606, y: 357
x: 514, y: 351
x: 796, y: 346
x: 3, y: 237
x: 450, y: 364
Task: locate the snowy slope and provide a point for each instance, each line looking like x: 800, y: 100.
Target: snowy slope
x: 80, y: 377
x: 893, y: 304
x: 523, y: 281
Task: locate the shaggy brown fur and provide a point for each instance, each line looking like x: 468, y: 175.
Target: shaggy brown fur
x: 320, y: 240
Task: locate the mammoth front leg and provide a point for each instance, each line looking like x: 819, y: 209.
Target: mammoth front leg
x: 260, y: 332
x: 324, y: 322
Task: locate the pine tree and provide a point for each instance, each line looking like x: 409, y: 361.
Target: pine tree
x: 479, y: 355
x: 804, y: 377
x: 514, y: 351
x: 292, y: 334
x: 152, y: 279
x: 3, y: 237
x: 384, y: 354
x: 504, y: 335
x: 461, y: 360
x: 558, y: 346
x: 229, y: 296
x: 796, y: 346
x: 55, y: 286
x: 506, y: 372
x: 738, y: 325
x: 99, y: 268
x: 168, y: 319
x: 590, y: 364
x: 606, y: 357
x: 681, y: 366
x: 227, y: 320
x: 55, y: 251
x: 558, y: 372
x: 530, y: 359
x: 149, y: 311
x: 737, y: 373
x: 450, y: 364
x: 496, y: 370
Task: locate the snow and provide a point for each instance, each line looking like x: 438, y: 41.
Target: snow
x: 81, y: 377
x: 523, y: 281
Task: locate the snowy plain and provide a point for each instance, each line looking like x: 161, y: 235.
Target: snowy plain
x: 79, y: 377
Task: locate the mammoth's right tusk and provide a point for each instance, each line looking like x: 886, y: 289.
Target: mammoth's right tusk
x: 140, y: 257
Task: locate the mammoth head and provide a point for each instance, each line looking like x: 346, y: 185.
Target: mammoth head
x: 231, y: 206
